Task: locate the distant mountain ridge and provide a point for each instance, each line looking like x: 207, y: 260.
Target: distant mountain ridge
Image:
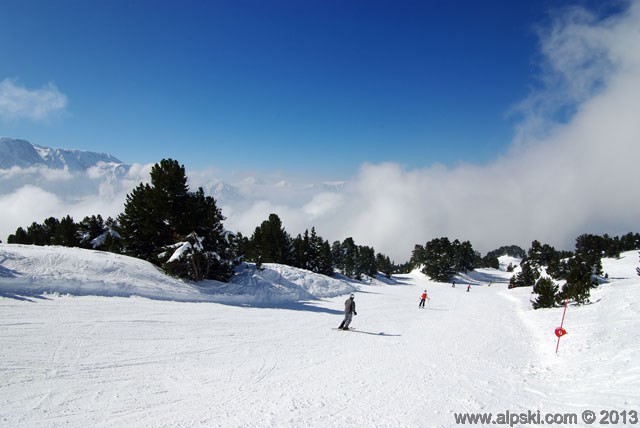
x: 105, y: 175
x: 23, y: 154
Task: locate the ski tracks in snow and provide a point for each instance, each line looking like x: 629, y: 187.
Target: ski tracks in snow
x: 111, y: 362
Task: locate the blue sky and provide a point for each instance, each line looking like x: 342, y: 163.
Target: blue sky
x: 300, y: 86
x: 409, y: 102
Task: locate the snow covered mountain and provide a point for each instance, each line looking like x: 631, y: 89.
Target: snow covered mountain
x: 222, y: 191
x: 23, y: 154
x: 261, y: 352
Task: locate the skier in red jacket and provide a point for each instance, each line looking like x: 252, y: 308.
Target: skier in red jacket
x: 423, y: 297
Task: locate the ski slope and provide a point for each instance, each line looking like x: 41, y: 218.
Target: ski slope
x: 87, y: 356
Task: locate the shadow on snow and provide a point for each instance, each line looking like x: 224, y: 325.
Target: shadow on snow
x: 375, y: 334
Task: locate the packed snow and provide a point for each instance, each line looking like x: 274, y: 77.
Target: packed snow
x: 96, y: 339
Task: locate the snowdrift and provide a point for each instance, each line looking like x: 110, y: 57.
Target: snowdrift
x: 276, y: 284
x: 27, y: 270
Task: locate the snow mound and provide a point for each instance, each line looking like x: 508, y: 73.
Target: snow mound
x: 506, y: 261
x: 32, y: 270
x: 276, y: 284
x: 27, y: 270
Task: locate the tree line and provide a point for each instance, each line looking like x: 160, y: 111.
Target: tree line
x: 270, y: 243
x: 580, y: 270
x: 182, y: 232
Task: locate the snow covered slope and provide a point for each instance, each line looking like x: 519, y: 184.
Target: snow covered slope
x: 77, y: 361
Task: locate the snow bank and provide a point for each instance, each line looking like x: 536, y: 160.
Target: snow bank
x: 27, y: 270
x: 277, y: 284
x: 506, y: 261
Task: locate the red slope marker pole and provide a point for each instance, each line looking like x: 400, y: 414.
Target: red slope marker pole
x: 561, y: 331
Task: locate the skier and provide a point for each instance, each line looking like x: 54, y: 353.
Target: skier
x: 468, y: 288
x: 453, y: 284
x: 349, y: 311
x: 423, y: 297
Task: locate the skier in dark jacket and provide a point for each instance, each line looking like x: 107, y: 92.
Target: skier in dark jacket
x: 349, y: 311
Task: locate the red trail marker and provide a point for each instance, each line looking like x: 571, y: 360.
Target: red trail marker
x: 561, y: 331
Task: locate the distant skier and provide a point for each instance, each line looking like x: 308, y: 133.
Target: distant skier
x: 349, y: 312
x: 423, y: 297
x: 453, y: 284
x: 468, y: 287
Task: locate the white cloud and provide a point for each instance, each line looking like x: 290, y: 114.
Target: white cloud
x: 36, y: 193
x: 25, y: 205
x: 18, y: 102
x: 323, y: 203
x: 562, y: 178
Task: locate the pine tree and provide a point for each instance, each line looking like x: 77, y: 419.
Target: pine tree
x: 156, y: 214
x: 365, y: 262
x: 629, y: 242
x: 579, y: 281
x: 204, y: 219
x: 313, y: 251
x: 20, y: 237
x: 526, y: 277
x: 298, y: 258
x: 590, y: 249
x: 384, y: 265
x: 39, y: 234
x: 418, y: 256
x: 191, y: 259
x: 141, y: 227
x: 112, y: 239
x: 51, y: 232
x: 270, y: 243
x: 337, y: 256
x: 349, y: 256
x: 171, y: 199
x: 325, y: 260
x: 547, y: 292
x: 490, y: 262
x: 89, y: 229
x: 439, y: 260
x: 464, y: 256
x: 239, y: 246
x: 541, y: 255
x: 65, y: 233
x: 163, y: 214
x: 508, y: 250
